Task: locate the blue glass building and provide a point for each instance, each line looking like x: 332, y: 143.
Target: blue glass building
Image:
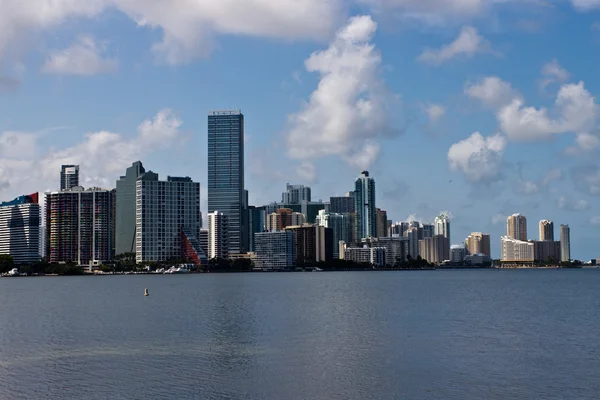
x: 226, y: 173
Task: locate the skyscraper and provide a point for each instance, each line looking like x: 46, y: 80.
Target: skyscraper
x: 546, y: 231
x: 218, y: 230
x: 342, y: 205
x: 516, y: 227
x: 381, y: 216
x: 295, y: 194
x: 565, y: 243
x: 364, y: 204
x: 69, y: 176
x: 226, y: 172
x: 125, y: 209
x: 478, y: 243
x: 442, y: 226
x: 20, y: 229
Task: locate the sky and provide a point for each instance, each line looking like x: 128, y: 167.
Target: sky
x: 476, y: 108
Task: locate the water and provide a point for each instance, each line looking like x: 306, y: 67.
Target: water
x: 364, y: 335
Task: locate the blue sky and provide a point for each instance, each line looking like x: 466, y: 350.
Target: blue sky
x: 479, y: 108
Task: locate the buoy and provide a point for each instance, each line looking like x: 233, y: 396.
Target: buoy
x: 146, y: 293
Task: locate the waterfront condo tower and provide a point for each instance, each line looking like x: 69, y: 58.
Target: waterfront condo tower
x: 565, y: 243
x: 364, y: 204
x: 226, y: 173
x: 20, y: 229
x: 69, y: 176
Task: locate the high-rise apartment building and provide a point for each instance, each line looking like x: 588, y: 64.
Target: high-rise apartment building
x: 168, y: 219
x: 295, y: 194
x: 218, y: 231
x: 478, y: 243
x: 226, y: 173
x: 382, y: 225
x: 546, y: 231
x: 442, y: 226
x: 458, y: 252
x: 546, y: 250
x: 314, y: 243
x: 514, y: 250
x: 342, y: 205
x: 275, y: 250
x: 80, y: 225
x: 426, y: 231
x: 413, y: 242
x: 516, y: 227
x: 366, y: 255
x: 125, y: 209
x: 20, y: 229
x: 364, y: 204
x: 435, y: 249
x: 69, y: 177
x: 340, y: 225
x: 256, y: 224
x: 565, y: 243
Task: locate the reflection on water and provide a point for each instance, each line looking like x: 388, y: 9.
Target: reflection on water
x: 413, y: 335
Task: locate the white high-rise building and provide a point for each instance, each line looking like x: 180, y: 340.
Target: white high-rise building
x: 168, y: 219
x: 20, y: 229
x: 218, y: 240
x: 442, y: 226
x: 565, y: 243
x: 517, y: 250
x: 340, y: 224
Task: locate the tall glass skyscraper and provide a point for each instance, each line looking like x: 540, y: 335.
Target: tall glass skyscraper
x: 364, y: 203
x: 226, y: 172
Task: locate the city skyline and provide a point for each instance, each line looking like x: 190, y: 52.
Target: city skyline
x: 447, y: 92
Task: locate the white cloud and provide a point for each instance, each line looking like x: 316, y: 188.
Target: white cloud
x: 553, y: 72
x: 435, y: 112
x: 585, y: 5
x: 584, y: 142
x: 432, y: 12
x: 491, y: 91
x: 479, y: 158
x: 26, y: 167
x: 587, y: 178
x: 188, y: 27
x: 498, y: 218
x: 307, y: 171
x: 526, y: 187
x: 595, y: 220
x: 348, y: 111
x: 468, y: 43
x: 575, y: 110
x: 565, y: 203
x: 85, y: 57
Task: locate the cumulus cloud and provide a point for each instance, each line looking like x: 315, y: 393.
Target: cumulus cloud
x: 188, y: 27
x: 565, y: 203
x: 307, y: 171
x: 587, y: 178
x: 435, y: 112
x: 85, y: 57
x: 553, y: 72
x: 26, y: 167
x: 468, y: 43
x: 491, y: 91
x: 430, y: 11
x: 347, y: 112
x: 479, y: 158
x: 585, y: 5
x: 575, y: 111
x: 584, y: 142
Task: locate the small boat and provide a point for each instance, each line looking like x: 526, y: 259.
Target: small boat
x: 146, y: 293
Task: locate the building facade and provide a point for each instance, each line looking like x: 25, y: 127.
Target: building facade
x: 295, y: 194
x: 514, y: 250
x: 256, y: 224
x: 442, y: 226
x: 382, y: 222
x: 458, y: 252
x: 20, y: 229
x: 340, y: 225
x: 314, y: 243
x: 125, y: 223
x: 69, y: 177
x: 226, y: 173
x: 218, y: 232
x: 168, y: 219
x: 546, y: 251
x: 396, y: 249
x: 80, y: 226
x: 275, y: 250
x: 435, y: 249
x: 364, y: 204
x: 516, y: 227
x: 342, y: 205
x: 478, y: 243
x: 565, y: 243
x: 546, y: 230
x: 367, y: 255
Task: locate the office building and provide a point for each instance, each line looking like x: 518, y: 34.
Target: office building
x: 342, y: 205
x: 295, y: 194
x: 565, y: 243
x: 275, y: 250
x: 546, y: 230
x: 364, y: 203
x: 366, y: 255
x: 257, y: 223
x: 168, y: 220
x: 69, y: 177
x: 435, y: 250
x: 478, y: 243
x: 516, y: 227
x: 514, y: 250
x: 226, y: 172
x: 218, y: 231
x: 382, y: 225
x: 125, y: 209
x: 311, y: 210
x: 80, y: 226
x: 20, y: 229
x: 442, y: 226
x: 314, y: 243
x: 458, y: 252
x: 340, y: 225
x: 547, y: 251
